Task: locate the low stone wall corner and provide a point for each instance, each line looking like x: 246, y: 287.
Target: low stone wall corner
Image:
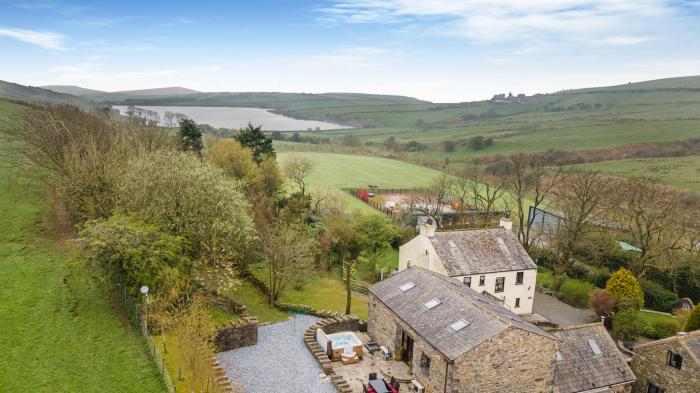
x: 237, y: 334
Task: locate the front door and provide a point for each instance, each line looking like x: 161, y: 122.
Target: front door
x: 407, y: 345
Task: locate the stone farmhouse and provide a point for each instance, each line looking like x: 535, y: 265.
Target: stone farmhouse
x: 487, y: 260
x: 669, y: 365
x: 457, y: 340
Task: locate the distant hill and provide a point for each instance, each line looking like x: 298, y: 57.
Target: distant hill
x: 37, y: 94
x: 74, y: 90
x: 274, y: 100
x: 683, y: 82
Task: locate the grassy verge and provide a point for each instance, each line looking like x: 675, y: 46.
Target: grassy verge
x: 326, y: 291
x: 256, y: 303
x: 60, y: 328
x: 545, y: 278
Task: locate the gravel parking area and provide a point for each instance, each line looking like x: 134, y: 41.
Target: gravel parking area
x: 561, y: 313
x: 279, y: 362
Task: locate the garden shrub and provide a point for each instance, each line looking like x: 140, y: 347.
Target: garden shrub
x: 558, y: 281
x: 136, y: 252
x: 626, y: 288
x: 602, y: 302
x: 598, y: 276
x: 661, y: 328
x: 627, y: 325
x: 693, y: 322
x: 658, y: 298
x: 576, y: 292
x: 545, y: 278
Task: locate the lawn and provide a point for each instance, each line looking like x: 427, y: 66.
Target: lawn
x: 682, y: 172
x: 326, y: 291
x: 62, y: 329
x: 256, y: 303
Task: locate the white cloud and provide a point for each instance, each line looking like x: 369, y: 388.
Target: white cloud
x: 44, y: 39
x: 490, y: 21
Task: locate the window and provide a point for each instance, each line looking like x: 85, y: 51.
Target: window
x: 519, y: 278
x: 432, y: 304
x: 654, y: 389
x: 594, y: 347
x: 482, y: 281
x: 425, y: 363
x: 675, y: 360
x: 405, y: 287
x: 500, y: 281
x: 517, y: 302
x: 467, y: 281
x: 459, y: 325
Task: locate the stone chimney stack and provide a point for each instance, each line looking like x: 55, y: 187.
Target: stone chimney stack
x: 506, y: 223
x: 428, y: 227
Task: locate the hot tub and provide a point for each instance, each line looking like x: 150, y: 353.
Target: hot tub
x: 337, y: 342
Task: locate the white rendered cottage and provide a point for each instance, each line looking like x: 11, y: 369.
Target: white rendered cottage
x: 488, y: 260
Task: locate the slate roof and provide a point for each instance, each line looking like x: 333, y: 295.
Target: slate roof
x: 486, y: 317
x: 479, y: 251
x: 691, y: 342
x: 581, y: 369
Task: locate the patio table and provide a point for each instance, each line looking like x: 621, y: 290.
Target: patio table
x: 379, y: 386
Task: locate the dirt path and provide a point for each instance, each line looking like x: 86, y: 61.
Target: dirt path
x: 58, y: 223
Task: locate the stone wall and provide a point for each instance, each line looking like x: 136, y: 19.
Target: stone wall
x: 512, y: 358
x: 386, y: 329
x: 649, y: 364
x: 237, y: 334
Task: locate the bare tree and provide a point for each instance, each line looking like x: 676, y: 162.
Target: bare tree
x: 483, y: 188
x: 297, y: 169
x: 654, y: 218
x: 581, y: 199
x: 529, y: 184
x: 287, y: 251
x: 432, y: 199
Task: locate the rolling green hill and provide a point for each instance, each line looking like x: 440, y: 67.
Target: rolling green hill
x: 36, y: 94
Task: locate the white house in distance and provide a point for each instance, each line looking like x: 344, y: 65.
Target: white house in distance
x: 488, y: 260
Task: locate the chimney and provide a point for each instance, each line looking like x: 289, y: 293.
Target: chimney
x: 506, y: 223
x: 428, y: 227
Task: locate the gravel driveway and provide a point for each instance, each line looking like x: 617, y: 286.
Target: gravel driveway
x: 279, y: 362
x: 561, y: 313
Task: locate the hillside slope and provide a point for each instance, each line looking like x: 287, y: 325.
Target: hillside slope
x: 37, y: 94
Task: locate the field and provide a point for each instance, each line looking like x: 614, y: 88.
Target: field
x: 62, y: 329
x: 587, y: 119
x: 682, y: 172
x: 336, y: 171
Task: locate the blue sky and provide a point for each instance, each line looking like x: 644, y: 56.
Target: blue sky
x: 439, y: 50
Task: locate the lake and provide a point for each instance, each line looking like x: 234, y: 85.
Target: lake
x: 236, y: 118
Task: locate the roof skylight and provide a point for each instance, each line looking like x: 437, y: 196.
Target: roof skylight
x: 559, y: 357
x: 432, y: 304
x: 405, y: 287
x: 459, y: 325
x: 594, y: 347
x: 452, y: 244
x: 500, y: 241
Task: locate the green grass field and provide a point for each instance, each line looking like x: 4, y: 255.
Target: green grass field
x: 56, y: 336
x: 682, y: 172
x: 337, y: 171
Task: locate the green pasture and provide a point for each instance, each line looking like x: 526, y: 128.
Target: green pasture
x: 62, y: 328
x: 682, y: 172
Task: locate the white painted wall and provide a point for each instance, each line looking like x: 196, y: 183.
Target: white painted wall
x: 415, y: 252
x: 511, y: 291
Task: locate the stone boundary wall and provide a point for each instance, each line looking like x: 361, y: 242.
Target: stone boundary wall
x: 237, y: 334
x: 332, y: 323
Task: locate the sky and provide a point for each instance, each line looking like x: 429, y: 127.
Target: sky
x: 437, y: 50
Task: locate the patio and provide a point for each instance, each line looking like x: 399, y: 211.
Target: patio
x: 358, y: 373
